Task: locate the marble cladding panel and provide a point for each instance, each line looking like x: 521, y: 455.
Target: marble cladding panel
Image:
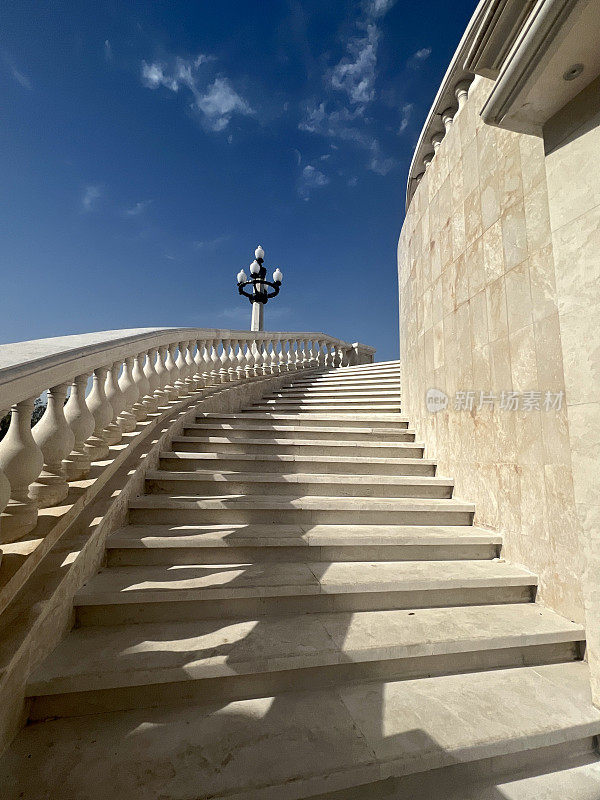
x: 482, y: 291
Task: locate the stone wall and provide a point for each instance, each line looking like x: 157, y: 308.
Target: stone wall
x: 573, y: 170
x: 479, y: 311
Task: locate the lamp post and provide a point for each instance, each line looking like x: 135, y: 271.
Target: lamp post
x: 259, y: 294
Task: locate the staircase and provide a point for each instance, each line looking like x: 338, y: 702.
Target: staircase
x: 300, y: 608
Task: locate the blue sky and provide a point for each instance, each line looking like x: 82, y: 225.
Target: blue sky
x: 146, y: 148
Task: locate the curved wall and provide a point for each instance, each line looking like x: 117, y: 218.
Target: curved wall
x: 478, y: 312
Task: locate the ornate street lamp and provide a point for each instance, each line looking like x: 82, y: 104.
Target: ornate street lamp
x: 259, y: 294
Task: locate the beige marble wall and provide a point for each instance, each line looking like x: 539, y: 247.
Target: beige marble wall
x: 573, y: 170
x: 479, y: 310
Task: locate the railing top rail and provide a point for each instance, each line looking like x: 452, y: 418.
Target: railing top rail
x: 29, y: 368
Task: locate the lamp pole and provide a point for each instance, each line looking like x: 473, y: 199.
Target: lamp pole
x: 259, y: 294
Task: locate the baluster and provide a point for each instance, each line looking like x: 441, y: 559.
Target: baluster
x: 282, y: 361
x: 150, y: 399
x: 312, y: 354
x: 274, y: 358
x: 206, y: 353
x: 240, y: 362
x: 190, y: 368
x: 181, y: 364
x: 267, y: 358
x: 346, y: 357
x: 298, y: 344
x: 171, y: 367
x: 259, y: 359
x: 55, y: 439
x: 21, y: 460
x: 81, y: 421
x: 224, y: 366
x: 162, y: 374
x: 127, y: 419
x: 291, y: 360
x: 215, y: 362
x: 139, y: 409
x: 233, y: 363
x: 198, y: 366
x: 320, y: 356
x: 97, y: 446
x: 340, y: 356
x: 113, y: 431
x: 249, y: 360
x: 332, y: 363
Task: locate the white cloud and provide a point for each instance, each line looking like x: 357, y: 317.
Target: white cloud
x: 91, y: 193
x: 405, y: 119
x: 137, y: 208
x: 356, y: 74
x: 419, y: 57
x: 352, y: 181
x: 377, y: 8
x: 19, y: 77
x: 212, y: 244
x: 311, y: 178
x: 220, y: 102
x: 216, y: 102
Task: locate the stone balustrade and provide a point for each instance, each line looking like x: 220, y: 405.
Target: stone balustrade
x: 131, y: 375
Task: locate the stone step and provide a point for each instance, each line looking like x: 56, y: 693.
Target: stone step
x: 209, y: 482
x: 107, y: 668
x: 325, y: 739
x: 327, y: 385
x: 338, y: 392
x: 358, y: 420
x: 337, y: 408
x: 289, y: 510
x: 333, y: 402
x: 347, y: 465
x: 249, y: 429
x: 218, y: 544
x: 300, y: 446
x: 119, y: 595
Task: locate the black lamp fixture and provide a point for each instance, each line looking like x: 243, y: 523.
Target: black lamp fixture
x: 259, y: 294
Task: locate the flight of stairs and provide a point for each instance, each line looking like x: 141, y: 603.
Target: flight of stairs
x: 300, y: 606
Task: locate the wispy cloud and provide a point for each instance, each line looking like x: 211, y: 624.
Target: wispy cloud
x: 137, y: 208
x: 311, y: 178
x: 91, y: 194
x: 108, y: 53
x: 377, y: 8
x: 216, y: 102
x: 355, y: 77
x: 407, y: 109
x: 212, y: 244
x: 355, y: 74
x: 419, y: 57
x: 19, y: 76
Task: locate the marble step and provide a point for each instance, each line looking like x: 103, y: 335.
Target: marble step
x: 331, y: 384
x: 119, y: 595
x: 249, y: 429
x: 347, y: 465
x: 333, y: 402
x: 220, y: 482
x: 236, y: 659
x: 231, y: 508
x: 311, y: 418
x: 326, y: 739
x: 338, y: 408
x: 338, y: 392
x: 299, y: 446
x: 219, y: 544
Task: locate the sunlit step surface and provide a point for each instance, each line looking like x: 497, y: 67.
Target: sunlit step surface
x: 325, y: 739
x: 90, y: 659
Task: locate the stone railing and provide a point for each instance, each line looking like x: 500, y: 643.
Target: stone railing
x: 130, y: 374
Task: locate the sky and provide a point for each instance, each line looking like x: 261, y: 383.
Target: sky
x: 146, y: 149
